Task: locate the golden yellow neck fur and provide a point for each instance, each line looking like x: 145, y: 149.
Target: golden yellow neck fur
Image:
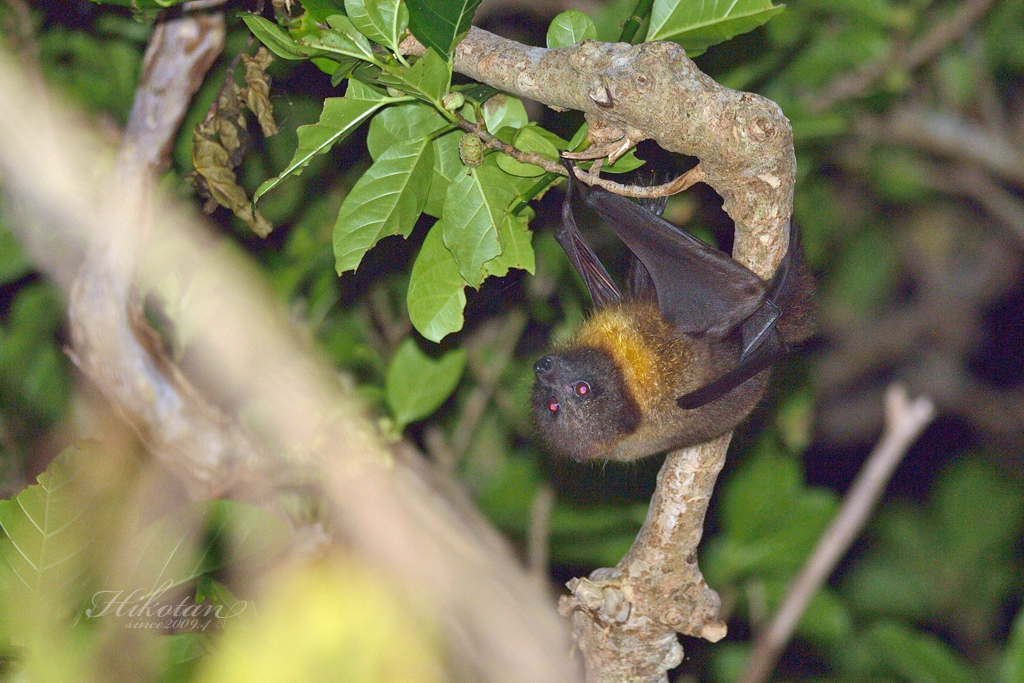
x: 640, y: 343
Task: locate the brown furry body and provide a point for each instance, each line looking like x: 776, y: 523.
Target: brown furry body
x: 632, y: 412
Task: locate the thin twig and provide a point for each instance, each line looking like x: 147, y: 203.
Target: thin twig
x: 20, y: 34
x: 381, y: 509
x: 499, y: 340
x: 438, y: 448
x: 394, y: 326
x: 627, y: 627
x: 946, y: 33
x: 924, y: 49
x: 680, y: 184
x: 497, y: 145
x: 905, y: 420
x: 950, y: 135
x: 975, y: 183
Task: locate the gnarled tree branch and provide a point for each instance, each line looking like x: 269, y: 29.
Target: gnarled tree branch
x: 626, y: 619
x: 654, y: 91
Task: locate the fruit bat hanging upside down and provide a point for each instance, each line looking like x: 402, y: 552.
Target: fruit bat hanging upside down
x: 682, y: 357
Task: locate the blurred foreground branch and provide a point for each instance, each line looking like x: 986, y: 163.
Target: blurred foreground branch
x: 112, y: 343
x: 433, y: 550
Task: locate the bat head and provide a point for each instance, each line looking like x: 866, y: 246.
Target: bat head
x: 581, y: 404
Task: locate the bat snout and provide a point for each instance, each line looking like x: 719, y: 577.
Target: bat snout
x: 544, y: 368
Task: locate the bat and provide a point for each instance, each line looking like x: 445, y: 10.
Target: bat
x: 679, y: 359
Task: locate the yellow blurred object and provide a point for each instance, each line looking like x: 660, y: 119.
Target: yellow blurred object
x: 332, y: 620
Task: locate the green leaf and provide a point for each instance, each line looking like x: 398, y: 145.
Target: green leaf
x: 429, y: 77
x: 949, y: 564
x: 516, y: 248
x: 200, y: 538
x: 863, y: 273
x: 99, y: 71
x: 895, y: 575
x: 382, y: 21
x: 32, y: 366
x: 518, y: 168
x: 795, y: 420
x: 341, y: 39
x: 968, y: 497
x: 340, y: 116
x: 319, y: 10
x: 770, y: 520
x: 918, y: 657
x: 835, y: 51
x: 418, y: 119
x: 14, y: 264
x: 1011, y: 669
x: 41, y: 557
x: 477, y: 202
x: 504, y: 484
x: 416, y: 385
x: 277, y: 39
x: 400, y: 123
x: 436, y: 296
x: 447, y: 165
x: 528, y: 139
x: 441, y: 24
x: 755, y: 497
x: 699, y: 25
x: 900, y: 175
x: 570, y: 27
x: 781, y: 550
x: 386, y: 200
x: 827, y: 620
x: 624, y: 164
x: 478, y: 92
x: 578, y: 138
x: 182, y: 654
x: 595, y: 535
x: 504, y: 111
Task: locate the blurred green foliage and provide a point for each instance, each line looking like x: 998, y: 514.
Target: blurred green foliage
x: 933, y: 593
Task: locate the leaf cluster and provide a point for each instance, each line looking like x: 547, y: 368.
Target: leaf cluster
x: 54, y: 589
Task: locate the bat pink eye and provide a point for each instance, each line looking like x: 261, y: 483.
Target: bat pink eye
x: 582, y: 389
x: 552, y: 405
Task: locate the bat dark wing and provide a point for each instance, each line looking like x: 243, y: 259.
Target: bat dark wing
x: 599, y: 283
x: 700, y: 290
x: 763, y: 345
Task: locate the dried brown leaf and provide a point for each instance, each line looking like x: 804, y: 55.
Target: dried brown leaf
x: 257, y: 94
x: 213, y: 163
